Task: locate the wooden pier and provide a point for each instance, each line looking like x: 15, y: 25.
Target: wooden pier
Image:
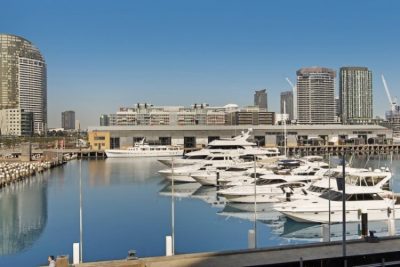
x: 91, y: 154
x: 291, y: 150
x: 340, y: 149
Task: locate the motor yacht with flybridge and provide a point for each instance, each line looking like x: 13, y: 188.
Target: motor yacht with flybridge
x: 236, y: 146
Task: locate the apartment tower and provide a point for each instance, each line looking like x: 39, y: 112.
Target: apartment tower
x: 355, y: 92
x: 260, y: 99
x: 23, y: 79
x: 68, y: 120
x: 316, y: 95
x: 287, y: 104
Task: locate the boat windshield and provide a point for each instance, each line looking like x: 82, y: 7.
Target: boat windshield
x: 230, y: 147
x: 317, y: 189
x: 218, y: 158
x: 236, y: 169
x: 333, y: 174
x: 364, y: 180
x: 257, y: 174
x: 337, y: 196
x: 269, y: 181
x: 195, y: 157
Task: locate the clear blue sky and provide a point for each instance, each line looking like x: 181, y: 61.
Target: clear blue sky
x: 106, y: 54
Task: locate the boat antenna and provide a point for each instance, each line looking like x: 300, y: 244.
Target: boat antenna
x: 369, y: 155
x: 284, y: 127
x: 351, y: 159
x: 393, y: 196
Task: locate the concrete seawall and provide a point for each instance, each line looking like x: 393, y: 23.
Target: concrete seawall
x: 11, y: 172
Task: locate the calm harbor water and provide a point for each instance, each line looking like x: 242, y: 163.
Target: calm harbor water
x: 127, y: 205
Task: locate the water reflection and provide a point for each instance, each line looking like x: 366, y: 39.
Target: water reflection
x: 264, y: 216
x: 23, y: 214
x: 320, y: 232
x: 181, y: 190
x: 114, y: 171
x: 209, y: 195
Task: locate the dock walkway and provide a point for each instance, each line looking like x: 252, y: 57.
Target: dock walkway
x: 388, y: 249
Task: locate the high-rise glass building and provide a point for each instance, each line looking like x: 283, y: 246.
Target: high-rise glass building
x: 260, y: 99
x: 316, y: 95
x: 23, y: 79
x: 68, y: 120
x: 338, y: 107
x: 355, y: 92
x: 104, y: 120
x: 287, y: 100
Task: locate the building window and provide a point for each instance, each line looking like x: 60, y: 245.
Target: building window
x: 165, y: 141
x: 114, y: 142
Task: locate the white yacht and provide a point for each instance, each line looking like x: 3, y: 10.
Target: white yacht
x: 267, y: 188
x: 354, y: 176
x: 187, y: 159
x: 242, y: 174
x: 213, y: 161
x: 209, y: 177
x: 142, y: 149
x: 236, y: 146
x: 376, y: 202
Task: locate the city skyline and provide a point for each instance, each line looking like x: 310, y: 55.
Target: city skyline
x: 178, y: 53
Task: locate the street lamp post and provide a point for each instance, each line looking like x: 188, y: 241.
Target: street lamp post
x: 173, y: 209
x: 255, y: 201
x: 80, y: 213
x: 344, y: 208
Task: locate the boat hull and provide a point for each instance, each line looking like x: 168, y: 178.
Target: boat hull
x: 137, y: 154
x: 337, y: 216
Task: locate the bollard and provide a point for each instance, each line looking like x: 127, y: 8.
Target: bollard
x: 252, y: 238
x: 168, y: 245
x: 325, y: 233
x: 364, y: 222
x: 62, y: 261
x: 75, y: 253
x: 391, y: 227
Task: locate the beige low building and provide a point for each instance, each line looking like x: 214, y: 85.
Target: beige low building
x: 99, y: 140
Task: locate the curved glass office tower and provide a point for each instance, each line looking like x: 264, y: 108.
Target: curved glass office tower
x: 23, y: 79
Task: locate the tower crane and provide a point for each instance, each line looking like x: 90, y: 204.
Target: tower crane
x: 393, y: 103
x: 294, y: 88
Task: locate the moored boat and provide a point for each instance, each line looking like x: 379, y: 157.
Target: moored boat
x: 142, y: 149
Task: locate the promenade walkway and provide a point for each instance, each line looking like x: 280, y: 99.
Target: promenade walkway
x: 258, y: 257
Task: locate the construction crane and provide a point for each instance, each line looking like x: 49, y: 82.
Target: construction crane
x: 393, y: 115
x: 294, y: 88
x: 393, y: 104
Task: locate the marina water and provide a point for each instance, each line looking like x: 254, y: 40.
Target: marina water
x: 127, y: 205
